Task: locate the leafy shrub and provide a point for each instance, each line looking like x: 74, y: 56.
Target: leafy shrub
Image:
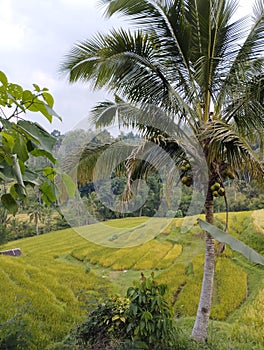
x: 105, y: 325
x: 143, y: 320
x: 16, y: 333
x: 149, y: 316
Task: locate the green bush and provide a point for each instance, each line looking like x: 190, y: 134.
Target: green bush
x: 105, y: 325
x: 149, y: 316
x: 16, y: 333
x: 143, y: 320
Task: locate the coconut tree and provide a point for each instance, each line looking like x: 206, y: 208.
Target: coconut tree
x: 202, y: 69
x: 36, y: 215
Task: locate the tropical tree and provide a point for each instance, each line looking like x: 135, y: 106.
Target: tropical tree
x: 189, y: 71
x: 36, y: 215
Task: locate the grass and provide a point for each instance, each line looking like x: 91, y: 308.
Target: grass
x: 48, y: 288
x: 258, y: 220
x: 61, y: 271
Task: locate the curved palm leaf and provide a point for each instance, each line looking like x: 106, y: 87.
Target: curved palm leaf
x: 226, y: 144
x: 234, y: 243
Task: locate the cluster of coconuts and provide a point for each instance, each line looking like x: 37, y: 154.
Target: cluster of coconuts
x: 217, y: 186
x: 186, y: 177
x: 217, y: 189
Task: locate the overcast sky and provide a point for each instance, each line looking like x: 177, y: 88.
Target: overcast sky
x: 35, y: 36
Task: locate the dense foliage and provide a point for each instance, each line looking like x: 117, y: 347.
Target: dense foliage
x: 143, y: 320
x: 20, y: 139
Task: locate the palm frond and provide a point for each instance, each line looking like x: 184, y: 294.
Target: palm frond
x: 145, y: 117
x: 81, y: 162
x: 226, y: 145
x: 169, y: 24
x: 258, y: 10
x: 246, y: 108
x: 162, y: 157
x: 120, y: 58
x: 244, y: 62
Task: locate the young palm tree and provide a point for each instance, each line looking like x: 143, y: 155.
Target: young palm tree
x: 36, y: 215
x: 203, y: 70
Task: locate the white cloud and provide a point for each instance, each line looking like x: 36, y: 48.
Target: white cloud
x: 35, y: 36
x: 13, y: 32
x: 44, y: 79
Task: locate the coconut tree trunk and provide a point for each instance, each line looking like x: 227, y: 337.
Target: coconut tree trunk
x: 200, y: 328
x: 37, y: 226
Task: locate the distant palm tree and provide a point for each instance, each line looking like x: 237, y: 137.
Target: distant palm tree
x: 36, y: 215
x: 193, y: 61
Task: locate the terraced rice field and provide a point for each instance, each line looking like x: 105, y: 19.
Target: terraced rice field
x: 59, y: 271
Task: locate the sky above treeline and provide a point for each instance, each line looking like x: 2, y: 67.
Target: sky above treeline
x: 37, y: 34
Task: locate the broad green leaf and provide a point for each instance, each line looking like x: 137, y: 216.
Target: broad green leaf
x: 25, y: 133
x: 37, y: 132
x: 70, y: 185
x: 18, y: 191
x: 12, y: 191
x: 10, y: 142
x: 3, y: 78
x: 9, y: 203
x: 32, y: 107
x: 20, y: 148
x: 27, y: 97
x: 48, y: 194
x: 42, y: 153
x: 234, y: 243
x: 40, y: 106
x: 31, y: 178
x: 49, y: 172
x: 19, y: 105
x: 22, y: 166
x: 15, y: 90
x: 6, y: 123
x: 8, y: 159
x: 7, y: 168
x: 48, y: 98
x: 3, y: 96
x: 37, y: 88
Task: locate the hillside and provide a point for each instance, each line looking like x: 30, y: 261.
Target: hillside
x: 61, y: 272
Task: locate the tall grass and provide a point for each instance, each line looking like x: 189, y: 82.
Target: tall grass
x: 47, y: 288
